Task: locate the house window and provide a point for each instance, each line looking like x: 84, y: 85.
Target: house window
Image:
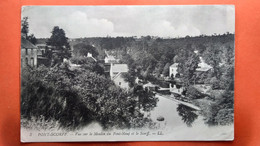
x: 31, y: 51
x: 119, y: 83
x: 26, y: 51
x: 32, y: 62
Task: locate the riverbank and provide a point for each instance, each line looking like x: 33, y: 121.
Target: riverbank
x: 171, y: 97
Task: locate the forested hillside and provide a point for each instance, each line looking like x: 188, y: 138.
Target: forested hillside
x: 153, y: 55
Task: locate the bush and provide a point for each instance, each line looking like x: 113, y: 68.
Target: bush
x: 193, y: 93
x: 215, y: 83
x: 225, y: 116
x: 222, y: 111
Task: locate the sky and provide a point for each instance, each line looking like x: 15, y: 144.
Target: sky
x: 102, y: 21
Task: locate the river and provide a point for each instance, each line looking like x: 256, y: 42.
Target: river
x: 185, y: 123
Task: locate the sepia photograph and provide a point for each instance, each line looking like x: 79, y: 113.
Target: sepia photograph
x: 127, y: 73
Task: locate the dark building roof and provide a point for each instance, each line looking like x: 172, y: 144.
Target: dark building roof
x: 26, y: 44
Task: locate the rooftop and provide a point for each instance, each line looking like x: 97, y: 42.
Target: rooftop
x: 26, y: 44
x: 174, y: 65
x: 119, y: 67
x: 203, y: 66
x: 110, y: 57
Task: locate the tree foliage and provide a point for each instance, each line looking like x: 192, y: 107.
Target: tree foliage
x: 222, y: 111
x: 60, y: 44
x: 82, y: 49
x: 25, y: 26
x: 213, y: 56
x: 76, y: 98
x: 188, y: 69
x: 25, y: 30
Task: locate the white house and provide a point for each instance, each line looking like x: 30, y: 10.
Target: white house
x: 149, y: 86
x: 28, y: 53
x: 116, y: 71
x: 203, y: 66
x: 173, y: 69
x: 110, y: 59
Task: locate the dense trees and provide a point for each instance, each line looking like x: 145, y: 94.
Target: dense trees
x: 80, y: 53
x: 221, y: 111
x: 75, y: 98
x: 119, y: 43
x: 188, y: 68
x: 82, y: 49
x: 165, y: 71
x: 212, y: 56
x: 151, y: 54
x: 60, y: 44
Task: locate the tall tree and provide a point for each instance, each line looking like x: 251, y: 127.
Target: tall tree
x: 213, y: 56
x: 188, y: 68
x: 60, y: 44
x: 166, y: 69
x: 25, y: 26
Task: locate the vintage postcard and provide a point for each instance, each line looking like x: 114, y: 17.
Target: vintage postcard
x: 127, y: 73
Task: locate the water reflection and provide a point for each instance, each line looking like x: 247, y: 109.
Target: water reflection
x: 187, y: 114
